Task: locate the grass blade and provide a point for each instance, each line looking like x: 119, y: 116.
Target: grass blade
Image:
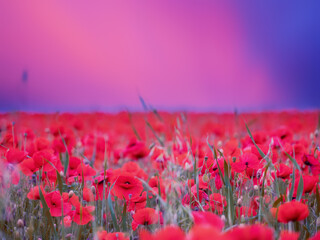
x: 113, y: 216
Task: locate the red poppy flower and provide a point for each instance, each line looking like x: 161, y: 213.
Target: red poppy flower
x: 44, y: 159
x: 312, y: 162
x: 41, y: 143
x: 259, y: 138
x: 159, y: 158
x: 127, y: 186
x: 206, y: 164
x: 231, y: 148
x: 208, y: 218
x: 104, y: 235
x: 84, y: 170
x: 145, y: 216
x: 74, y: 162
x: 101, y: 182
x: 291, y: 211
x: 87, y: 194
x: 245, y: 211
x: 134, y: 169
x: 67, y: 221
x: 283, y: 171
x: 251, y: 232
x: 217, y: 202
x: 187, y: 199
x: 154, y: 184
x: 83, y: 215
x: 167, y: 233
x: 309, y: 183
x: 138, y: 202
x: 205, y: 232
x: 315, y: 237
x: 286, y: 235
x: 28, y: 166
x: 56, y: 203
x: 15, y: 155
x: 34, y: 194
x: 247, y: 160
x: 136, y: 150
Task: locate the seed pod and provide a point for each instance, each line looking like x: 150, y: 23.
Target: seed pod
x: 205, y: 178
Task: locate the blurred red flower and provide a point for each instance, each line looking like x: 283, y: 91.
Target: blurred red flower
x: 127, y: 186
x: 145, y: 216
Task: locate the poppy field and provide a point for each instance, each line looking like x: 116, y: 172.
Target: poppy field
x: 159, y: 175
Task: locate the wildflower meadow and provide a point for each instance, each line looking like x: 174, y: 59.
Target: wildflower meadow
x: 159, y: 175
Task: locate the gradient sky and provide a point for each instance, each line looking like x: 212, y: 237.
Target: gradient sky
x: 199, y: 55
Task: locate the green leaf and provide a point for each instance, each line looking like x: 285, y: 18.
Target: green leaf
x: 300, y: 188
x: 113, y: 216
x: 252, y: 139
x: 277, y: 202
x: 145, y: 107
x: 133, y: 127
x: 215, y: 157
x: 154, y: 133
x: 292, y: 186
x: 300, y: 184
x: 266, y: 158
x: 66, y: 163
x: 318, y: 200
x: 59, y: 182
x: 47, y: 213
x: 124, y: 217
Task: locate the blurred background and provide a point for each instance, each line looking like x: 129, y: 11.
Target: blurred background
x: 178, y: 55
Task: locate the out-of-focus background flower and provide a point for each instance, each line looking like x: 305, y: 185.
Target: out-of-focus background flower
x: 196, y: 55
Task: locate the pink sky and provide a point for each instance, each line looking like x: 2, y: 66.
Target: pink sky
x: 84, y: 55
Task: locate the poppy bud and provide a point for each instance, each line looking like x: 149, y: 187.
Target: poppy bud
x: 20, y: 223
x: 188, y: 166
x: 71, y: 193
x: 259, y: 172
x: 69, y: 235
x: 255, y: 187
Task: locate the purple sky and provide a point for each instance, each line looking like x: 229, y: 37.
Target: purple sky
x: 202, y: 55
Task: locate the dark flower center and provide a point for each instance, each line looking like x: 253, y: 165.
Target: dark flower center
x: 307, y: 163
